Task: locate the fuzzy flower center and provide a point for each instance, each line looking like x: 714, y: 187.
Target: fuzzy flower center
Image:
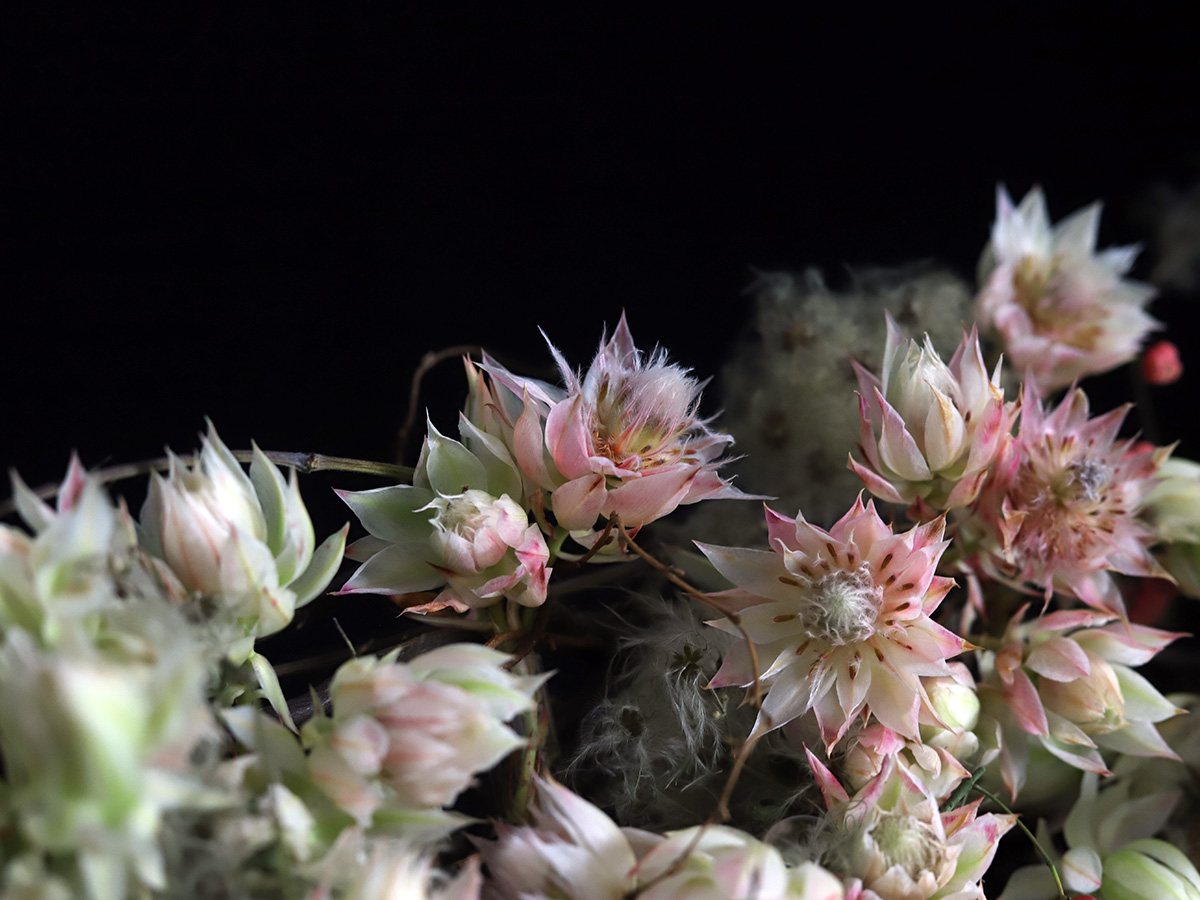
x: 908, y: 842
x: 462, y: 512
x: 1087, y: 480
x: 639, y: 420
x: 842, y: 606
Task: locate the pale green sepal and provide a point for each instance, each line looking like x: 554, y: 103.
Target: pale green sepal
x: 275, y: 746
x: 1169, y: 855
x: 105, y: 874
x: 395, y: 513
x: 321, y: 568
x: 269, y: 487
x: 299, y: 537
x: 33, y: 509
x: 399, y: 569
x: 268, y: 681
x: 422, y: 826
x: 451, y: 467
x: 503, y: 476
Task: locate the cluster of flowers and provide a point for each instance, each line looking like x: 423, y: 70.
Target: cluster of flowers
x: 138, y: 760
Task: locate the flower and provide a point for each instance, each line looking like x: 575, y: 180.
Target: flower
x: 929, y: 430
x: 890, y: 842
x: 457, y: 525
x: 1063, y: 511
x: 362, y: 868
x: 1172, y: 508
x: 413, y: 735
x: 574, y: 851
x: 1066, y: 679
x: 245, y: 541
x: 1059, y: 308
x: 624, y: 440
x: 1110, y: 850
x: 946, y: 742
x: 841, y: 620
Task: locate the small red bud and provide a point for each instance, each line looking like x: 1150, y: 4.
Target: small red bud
x: 1161, y: 363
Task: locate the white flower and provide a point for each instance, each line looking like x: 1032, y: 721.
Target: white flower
x: 1061, y: 310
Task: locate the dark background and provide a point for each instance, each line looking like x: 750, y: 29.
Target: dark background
x: 268, y: 221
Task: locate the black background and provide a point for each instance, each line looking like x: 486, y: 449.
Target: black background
x: 268, y: 220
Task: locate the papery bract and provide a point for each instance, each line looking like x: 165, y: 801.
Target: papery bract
x: 1059, y: 308
x: 841, y: 620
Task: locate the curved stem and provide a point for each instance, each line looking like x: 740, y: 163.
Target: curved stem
x: 1037, y: 845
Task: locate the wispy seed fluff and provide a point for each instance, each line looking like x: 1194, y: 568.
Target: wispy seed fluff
x: 788, y: 390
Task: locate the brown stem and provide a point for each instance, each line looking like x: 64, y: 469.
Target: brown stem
x: 721, y: 812
x: 304, y: 463
x: 428, y: 361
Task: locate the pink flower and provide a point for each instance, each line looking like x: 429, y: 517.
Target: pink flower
x: 1066, y: 681
x: 623, y: 440
x: 1059, y: 308
x: 1063, y: 510
x: 455, y: 525
x: 573, y: 851
x: 413, y: 735
x: 930, y: 431
x: 841, y: 621
x: 892, y: 843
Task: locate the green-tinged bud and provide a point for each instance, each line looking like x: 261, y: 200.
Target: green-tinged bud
x: 956, y: 704
x: 1150, y: 869
x: 412, y: 736
x: 244, y: 540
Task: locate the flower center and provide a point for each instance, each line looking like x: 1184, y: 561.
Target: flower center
x: 842, y: 606
x: 1087, y: 479
x: 909, y: 843
x: 461, y: 513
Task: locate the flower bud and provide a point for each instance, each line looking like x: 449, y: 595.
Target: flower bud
x: 413, y: 735
x: 1161, y: 363
x: 245, y: 540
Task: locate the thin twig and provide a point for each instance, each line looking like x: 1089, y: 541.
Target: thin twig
x: 304, y: 463
x: 428, y: 361
x: 672, y: 575
x: 721, y: 812
x: 600, y: 542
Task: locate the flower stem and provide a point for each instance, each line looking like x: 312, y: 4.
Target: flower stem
x: 304, y: 463
x: 1037, y: 845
